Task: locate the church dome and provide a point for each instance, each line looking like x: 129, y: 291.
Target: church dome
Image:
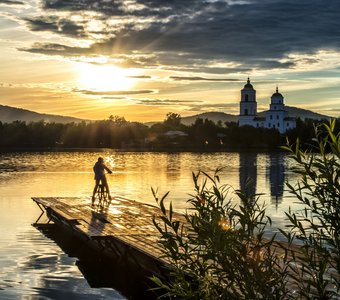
x: 277, y: 94
x: 248, y: 85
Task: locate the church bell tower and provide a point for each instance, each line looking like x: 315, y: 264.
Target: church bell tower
x: 248, y: 105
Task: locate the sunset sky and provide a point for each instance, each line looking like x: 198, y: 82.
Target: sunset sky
x: 143, y: 58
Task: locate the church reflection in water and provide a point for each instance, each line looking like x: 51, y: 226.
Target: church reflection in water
x: 274, y: 170
x: 248, y: 172
x: 276, y: 176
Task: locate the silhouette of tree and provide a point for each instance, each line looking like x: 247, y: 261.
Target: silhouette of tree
x: 172, y: 120
x: 116, y: 132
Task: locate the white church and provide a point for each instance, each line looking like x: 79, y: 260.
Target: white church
x: 276, y: 117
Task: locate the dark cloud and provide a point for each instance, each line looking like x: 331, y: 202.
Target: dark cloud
x: 57, y: 49
x: 139, y: 77
x: 166, y: 102
x: 192, y: 105
x: 215, y: 70
x: 57, y: 25
x: 107, y: 93
x: 114, y: 97
x: 137, y: 8
x: 196, y: 78
x: 258, y: 34
x: 272, y: 64
x: 11, y: 2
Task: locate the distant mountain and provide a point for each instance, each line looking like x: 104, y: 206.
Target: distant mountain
x: 9, y: 114
x: 216, y: 116
x: 296, y: 112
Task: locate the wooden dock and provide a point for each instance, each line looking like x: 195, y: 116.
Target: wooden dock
x: 122, y: 228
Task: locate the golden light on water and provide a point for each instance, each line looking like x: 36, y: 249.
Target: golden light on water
x: 109, y: 162
x: 105, y: 78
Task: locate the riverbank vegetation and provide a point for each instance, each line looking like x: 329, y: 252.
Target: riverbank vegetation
x: 221, y: 251
x: 169, y: 135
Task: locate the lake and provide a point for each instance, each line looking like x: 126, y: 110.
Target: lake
x: 33, y: 266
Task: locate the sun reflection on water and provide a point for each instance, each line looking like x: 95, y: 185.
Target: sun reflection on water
x: 26, y: 257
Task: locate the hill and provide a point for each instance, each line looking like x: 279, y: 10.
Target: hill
x: 296, y: 112
x: 216, y: 116
x: 9, y: 114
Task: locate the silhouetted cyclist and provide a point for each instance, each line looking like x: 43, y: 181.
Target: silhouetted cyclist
x: 99, y: 175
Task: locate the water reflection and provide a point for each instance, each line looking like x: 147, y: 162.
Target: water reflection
x: 113, y: 275
x: 274, y: 170
x: 35, y: 266
x: 173, y: 166
x: 276, y: 177
x: 248, y: 173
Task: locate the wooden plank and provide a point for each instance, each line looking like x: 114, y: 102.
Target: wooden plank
x: 125, y: 221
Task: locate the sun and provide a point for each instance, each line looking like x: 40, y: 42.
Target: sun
x: 104, y: 78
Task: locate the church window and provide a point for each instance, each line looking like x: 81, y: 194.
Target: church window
x: 257, y: 124
x: 270, y: 124
x: 274, y: 107
x: 271, y: 117
x: 246, y: 98
x: 246, y: 112
x: 273, y: 125
x: 277, y: 117
x: 278, y: 124
x: 287, y: 124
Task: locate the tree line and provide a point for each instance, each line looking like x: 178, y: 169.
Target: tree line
x: 169, y: 135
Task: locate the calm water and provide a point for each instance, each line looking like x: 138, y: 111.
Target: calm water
x: 34, y: 267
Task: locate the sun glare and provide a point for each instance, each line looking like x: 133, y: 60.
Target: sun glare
x: 104, y: 78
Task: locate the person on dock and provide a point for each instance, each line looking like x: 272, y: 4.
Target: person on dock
x: 99, y: 169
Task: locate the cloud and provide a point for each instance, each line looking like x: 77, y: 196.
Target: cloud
x: 197, y: 78
x: 333, y: 110
x: 257, y: 34
x: 140, y: 8
x: 56, y: 25
x: 56, y: 49
x: 139, y: 77
x: 108, y: 93
x: 214, y: 107
x: 190, y: 105
x: 165, y: 102
x: 114, y: 97
x: 11, y: 2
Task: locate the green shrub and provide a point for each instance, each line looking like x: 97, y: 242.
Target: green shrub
x: 219, y: 250
x: 314, y: 268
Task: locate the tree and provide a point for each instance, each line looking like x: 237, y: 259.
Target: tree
x: 172, y: 120
x: 117, y: 120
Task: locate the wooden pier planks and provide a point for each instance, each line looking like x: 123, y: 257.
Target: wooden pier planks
x: 123, y: 224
